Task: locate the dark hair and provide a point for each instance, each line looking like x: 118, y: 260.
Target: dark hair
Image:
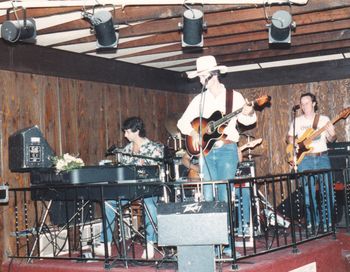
x: 313, y: 99
x: 135, y: 124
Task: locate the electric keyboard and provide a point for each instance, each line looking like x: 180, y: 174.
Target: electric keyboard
x: 95, y: 174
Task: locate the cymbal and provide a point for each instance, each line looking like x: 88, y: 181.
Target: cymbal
x: 171, y: 124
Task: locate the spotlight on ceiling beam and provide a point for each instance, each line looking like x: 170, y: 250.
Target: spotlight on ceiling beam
x: 19, y: 30
x: 103, y: 26
x: 280, y: 28
x: 192, y: 28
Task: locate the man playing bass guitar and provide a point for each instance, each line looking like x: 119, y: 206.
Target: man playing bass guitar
x: 314, y: 158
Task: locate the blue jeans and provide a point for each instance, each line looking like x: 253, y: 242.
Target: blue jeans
x: 149, y: 202
x: 219, y: 164
x: 325, y: 187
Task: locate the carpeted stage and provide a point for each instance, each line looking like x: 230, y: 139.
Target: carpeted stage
x: 321, y: 255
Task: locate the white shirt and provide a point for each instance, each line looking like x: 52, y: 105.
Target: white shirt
x: 211, y: 104
x: 302, y: 124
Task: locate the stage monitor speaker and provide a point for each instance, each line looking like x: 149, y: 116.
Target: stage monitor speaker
x: 197, y: 223
x: 28, y: 149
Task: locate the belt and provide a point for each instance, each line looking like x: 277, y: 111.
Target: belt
x: 228, y: 141
x: 220, y: 143
x: 317, y: 154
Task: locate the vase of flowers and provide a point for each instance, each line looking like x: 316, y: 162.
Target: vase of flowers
x: 67, y: 162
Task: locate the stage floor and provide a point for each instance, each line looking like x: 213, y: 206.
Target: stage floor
x: 323, y: 255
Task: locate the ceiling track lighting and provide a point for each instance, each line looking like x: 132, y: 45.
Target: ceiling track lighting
x: 18, y: 30
x: 192, y: 28
x: 280, y: 29
x: 103, y: 27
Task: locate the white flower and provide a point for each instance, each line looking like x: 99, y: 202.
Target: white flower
x: 67, y: 162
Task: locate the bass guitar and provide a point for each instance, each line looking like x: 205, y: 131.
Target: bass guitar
x: 213, y: 127
x: 303, y: 142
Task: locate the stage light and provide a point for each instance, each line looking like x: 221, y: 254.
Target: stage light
x: 192, y: 28
x: 281, y: 27
x: 102, y: 23
x: 19, y: 30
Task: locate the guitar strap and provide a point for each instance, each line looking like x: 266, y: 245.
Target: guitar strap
x: 315, y: 123
x: 229, y: 101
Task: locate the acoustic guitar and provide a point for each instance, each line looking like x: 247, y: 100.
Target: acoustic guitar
x: 213, y: 127
x: 303, y: 142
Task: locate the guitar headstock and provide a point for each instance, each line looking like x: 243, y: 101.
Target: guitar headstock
x: 262, y: 100
x: 254, y: 143
x: 344, y: 113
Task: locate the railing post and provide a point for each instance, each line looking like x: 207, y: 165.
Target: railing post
x: 290, y: 178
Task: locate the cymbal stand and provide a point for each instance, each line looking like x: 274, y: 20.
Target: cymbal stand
x: 249, y: 149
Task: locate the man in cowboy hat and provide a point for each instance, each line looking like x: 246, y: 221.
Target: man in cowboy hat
x: 221, y: 161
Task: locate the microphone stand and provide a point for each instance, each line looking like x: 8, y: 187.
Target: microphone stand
x: 201, y: 155
x: 295, y: 166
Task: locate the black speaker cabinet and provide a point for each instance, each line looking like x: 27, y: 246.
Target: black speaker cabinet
x: 337, y: 163
x: 28, y: 149
x: 197, y: 223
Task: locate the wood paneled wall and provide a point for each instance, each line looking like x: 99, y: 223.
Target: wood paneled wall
x: 78, y: 117
x: 82, y: 117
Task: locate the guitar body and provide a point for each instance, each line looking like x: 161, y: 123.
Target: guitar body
x: 213, y: 127
x: 303, y: 146
x: 208, y: 137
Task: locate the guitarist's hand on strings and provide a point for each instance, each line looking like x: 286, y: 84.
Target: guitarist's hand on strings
x: 248, y: 108
x: 330, y: 132
x: 195, y: 140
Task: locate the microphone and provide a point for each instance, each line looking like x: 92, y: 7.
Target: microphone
x: 208, y: 78
x: 111, y: 150
x: 296, y: 107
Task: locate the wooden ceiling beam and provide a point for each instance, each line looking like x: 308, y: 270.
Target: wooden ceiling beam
x: 247, y: 49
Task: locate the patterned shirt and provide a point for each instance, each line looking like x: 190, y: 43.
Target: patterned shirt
x: 147, y: 149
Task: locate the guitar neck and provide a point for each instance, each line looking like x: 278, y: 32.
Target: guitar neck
x: 318, y: 132
x: 226, y: 118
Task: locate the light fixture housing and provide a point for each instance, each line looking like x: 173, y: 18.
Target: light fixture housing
x: 19, y: 30
x: 192, y: 28
x: 106, y: 35
x: 103, y: 27
x: 280, y: 28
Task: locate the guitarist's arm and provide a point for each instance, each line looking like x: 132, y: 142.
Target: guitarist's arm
x: 247, y: 116
x: 330, y: 132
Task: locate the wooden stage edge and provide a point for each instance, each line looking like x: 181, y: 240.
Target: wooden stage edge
x: 323, y: 255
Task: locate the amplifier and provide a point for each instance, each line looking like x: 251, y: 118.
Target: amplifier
x: 28, y: 150
x: 192, y: 223
x: 245, y: 169
x: 339, y: 148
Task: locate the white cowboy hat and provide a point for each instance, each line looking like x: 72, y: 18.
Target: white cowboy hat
x: 205, y: 65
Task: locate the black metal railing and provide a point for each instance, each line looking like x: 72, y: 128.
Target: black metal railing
x: 265, y: 214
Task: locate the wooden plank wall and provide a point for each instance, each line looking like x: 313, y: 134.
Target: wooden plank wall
x: 78, y: 117
x: 82, y: 117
